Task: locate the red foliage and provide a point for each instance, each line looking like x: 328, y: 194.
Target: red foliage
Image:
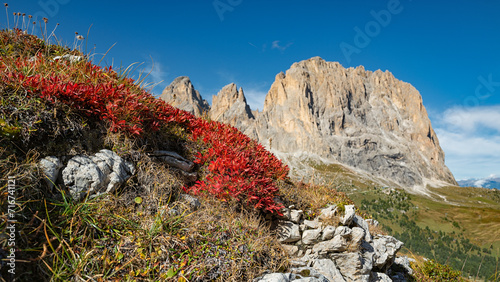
x: 239, y: 167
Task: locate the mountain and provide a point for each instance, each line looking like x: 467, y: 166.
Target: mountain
x: 181, y: 94
x: 487, y: 182
x: 321, y: 112
x: 230, y: 106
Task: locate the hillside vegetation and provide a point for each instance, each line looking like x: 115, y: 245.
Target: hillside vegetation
x: 454, y: 225
x: 69, y: 106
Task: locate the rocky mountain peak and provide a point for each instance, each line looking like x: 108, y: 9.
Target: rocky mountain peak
x: 230, y: 106
x: 321, y: 111
x: 181, y: 94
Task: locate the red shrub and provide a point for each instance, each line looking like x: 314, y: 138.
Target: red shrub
x: 239, y: 167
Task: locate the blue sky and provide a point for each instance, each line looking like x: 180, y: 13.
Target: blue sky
x: 449, y: 51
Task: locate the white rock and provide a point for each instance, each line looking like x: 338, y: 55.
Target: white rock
x: 379, y: 277
x: 328, y: 233
x: 275, y: 277
x: 404, y: 262
x: 357, y: 235
x: 101, y: 173
x: 336, y: 244
x: 115, y: 169
x: 288, y: 232
x: 82, y: 176
x: 328, y: 213
x: 349, y: 213
x: 343, y: 231
x: 308, y: 274
x: 311, y: 236
x: 296, y: 215
x: 286, y: 214
x: 360, y: 222
x: 351, y: 266
x: 312, y: 224
x: 292, y: 250
x: 328, y: 268
x: 50, y: 166
x: 311, y: 279
x: 385, y: 248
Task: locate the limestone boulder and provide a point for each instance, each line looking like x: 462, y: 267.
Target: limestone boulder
x: 97, y: 174
x: 50, y: 166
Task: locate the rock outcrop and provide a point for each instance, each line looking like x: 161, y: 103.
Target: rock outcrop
x: 85, y: 175
x: 368, y: 121
x: 98, y: 174
x: 346, y: 251
x: 181, y: 94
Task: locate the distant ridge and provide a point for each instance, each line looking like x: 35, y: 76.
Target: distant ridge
x: 492, y: 182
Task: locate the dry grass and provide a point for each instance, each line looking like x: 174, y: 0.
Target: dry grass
x: 376, y: 230
x: 239, y: 244
x: 312, y: 198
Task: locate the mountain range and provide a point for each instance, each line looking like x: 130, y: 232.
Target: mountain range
x: 492, y: 181
x: 319, y: 112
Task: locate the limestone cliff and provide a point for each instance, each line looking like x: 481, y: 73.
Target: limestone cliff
x: 230, y: 106
x: 181, y: 94
x: 366, y: 120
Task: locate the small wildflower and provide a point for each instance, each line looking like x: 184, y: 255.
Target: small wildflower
x: 80, y: 37
x: 30, y: 16
x: 6, y: 5
x: 45, y: 20
x: 24, y: 14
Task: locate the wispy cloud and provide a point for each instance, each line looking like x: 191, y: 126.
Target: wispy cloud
x: 226, y: 76
x: 157, y: 76
x: 255, y: 97
x: 276, y: 45
x: 473, y: 119
x: 470, y: 138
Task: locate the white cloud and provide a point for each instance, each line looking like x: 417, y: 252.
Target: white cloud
x: 470, y: 138
x: 255, y: 98
x: 156, y: 76
x: 473, y: 119
x: 276, y: 45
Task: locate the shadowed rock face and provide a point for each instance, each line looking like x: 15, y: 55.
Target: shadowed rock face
x: 367, y: 120
x: 181, y: 94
